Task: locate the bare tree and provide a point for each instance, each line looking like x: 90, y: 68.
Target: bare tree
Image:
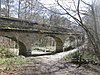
x: 81, y: 23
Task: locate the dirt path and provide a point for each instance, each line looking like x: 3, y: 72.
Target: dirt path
x: 51, y: 65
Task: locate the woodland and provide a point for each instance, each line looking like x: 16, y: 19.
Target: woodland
x: 77, y: 15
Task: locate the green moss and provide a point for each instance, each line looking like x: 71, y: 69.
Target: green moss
x: 13, y: 60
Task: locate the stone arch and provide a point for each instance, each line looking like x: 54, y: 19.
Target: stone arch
x: 69, y: 43
x: 59, y: 43
x: 22, y: 47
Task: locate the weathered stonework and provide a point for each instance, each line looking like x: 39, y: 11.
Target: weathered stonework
x: 25, y: 33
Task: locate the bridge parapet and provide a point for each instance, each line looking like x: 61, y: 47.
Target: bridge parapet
x: 13, y: 23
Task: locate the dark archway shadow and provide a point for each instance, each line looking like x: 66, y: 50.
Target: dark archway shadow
x: 22, y: 47
x: 59, y: 44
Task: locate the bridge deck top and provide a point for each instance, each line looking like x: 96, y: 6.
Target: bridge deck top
x: 14, y: 24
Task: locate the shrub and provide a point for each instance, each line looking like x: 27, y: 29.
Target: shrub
x: 12, y: 61
x: 4, y: 52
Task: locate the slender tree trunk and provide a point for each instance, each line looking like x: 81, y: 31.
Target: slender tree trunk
x: 0, y: 7
x: 19, y: 9
x: 8, y: 8
x: 96, y: 32
x: 95, y: 27
x: 31, y: 9
x: 25, y: 9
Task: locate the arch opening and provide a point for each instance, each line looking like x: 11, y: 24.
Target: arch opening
x: 69, y: 43
x: 13, y: 45
x: 50, y: 44
x: 59, y: 43
x: 72, y: 42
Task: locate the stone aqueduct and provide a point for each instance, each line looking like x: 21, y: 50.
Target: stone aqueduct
x: 26, y: 32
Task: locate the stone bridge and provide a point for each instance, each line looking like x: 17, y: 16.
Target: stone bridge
x: 25, y: 33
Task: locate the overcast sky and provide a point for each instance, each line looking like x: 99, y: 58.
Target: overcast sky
x: 65, y: 4
x: 53, y: 1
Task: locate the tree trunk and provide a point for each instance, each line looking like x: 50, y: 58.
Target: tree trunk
x: 0, y: 7
x: 19, y: 9
x: 8, y: 8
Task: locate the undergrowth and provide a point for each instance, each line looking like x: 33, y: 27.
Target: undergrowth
x: 12, y: 60
x: 86, y: 56
x: 8, y: 58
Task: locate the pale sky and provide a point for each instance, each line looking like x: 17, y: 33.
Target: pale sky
x: 65, y: 4
x: 53, y: 1
x: 48, y: 1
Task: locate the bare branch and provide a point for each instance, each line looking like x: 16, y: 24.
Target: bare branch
x: 92, y: 39
x: 78, y: 11
x: 86, y: 3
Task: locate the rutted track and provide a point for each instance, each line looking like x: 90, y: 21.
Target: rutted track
x: 52, y: 65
